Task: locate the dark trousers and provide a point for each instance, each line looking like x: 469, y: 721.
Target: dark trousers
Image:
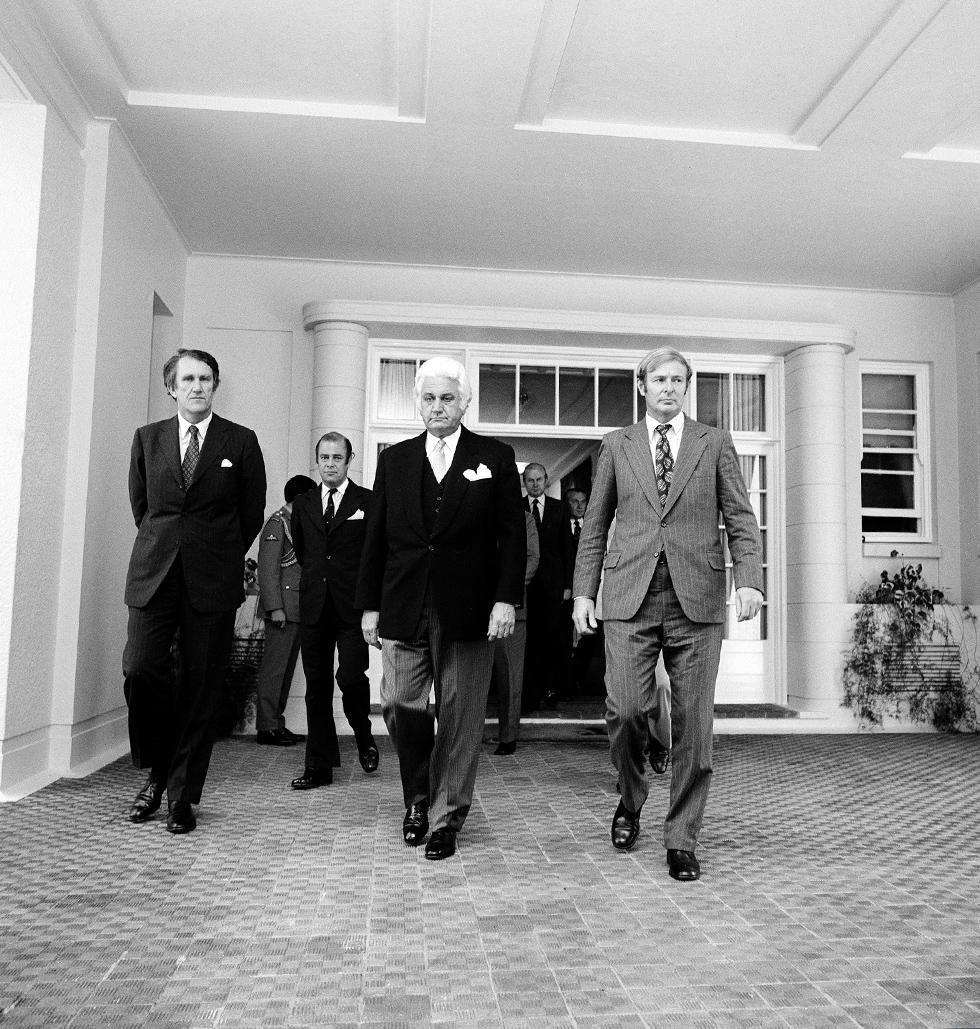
x: 317, y: 644
x: 691, y: 652
x: 543, y: 654
x: 276, y: 674
x: 171, y: 717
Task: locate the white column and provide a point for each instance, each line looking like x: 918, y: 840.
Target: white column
x: 816, y: 544
x: 339, y: 383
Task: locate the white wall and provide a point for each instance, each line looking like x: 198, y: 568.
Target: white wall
x: 968, y: 395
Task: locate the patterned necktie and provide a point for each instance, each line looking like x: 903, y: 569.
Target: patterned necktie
x: 576, y: 528
x: 329, y: 511
x: 536, y: 512
x: 664, y: 464
x: 438, y: 460
x: 191, y: 457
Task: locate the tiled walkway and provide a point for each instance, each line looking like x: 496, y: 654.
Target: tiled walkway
x: 841, y: 887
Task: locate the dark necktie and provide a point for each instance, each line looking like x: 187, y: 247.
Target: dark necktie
x: 191, y: 457
x: 329, y: 511
x: 576, y: 528
x: 536, y: 513
x: 664, y: 464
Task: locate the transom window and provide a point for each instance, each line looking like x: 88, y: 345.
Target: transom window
x: 894, y: 451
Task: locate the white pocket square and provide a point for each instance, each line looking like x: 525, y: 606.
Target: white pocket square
x: 225, y: 463
x: 482, y: 472
x: 357, y: 514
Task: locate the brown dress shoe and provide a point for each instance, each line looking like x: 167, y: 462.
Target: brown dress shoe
x: 147, y: 801
x: 683, y: 865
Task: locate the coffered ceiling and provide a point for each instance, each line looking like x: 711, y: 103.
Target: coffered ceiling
x: 833, y: 143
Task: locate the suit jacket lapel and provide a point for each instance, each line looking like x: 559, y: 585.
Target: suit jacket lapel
x: 641, y: 460
x: 410, y: 480
x: 456, y: 484
x: 213, y: 448
x: 170, y: 445
x: 350, y: 502
x: 693, y: 443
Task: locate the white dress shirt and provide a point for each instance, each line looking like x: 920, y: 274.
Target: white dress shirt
x: 451, y: 441
x: 182, y: 433
x: 337, y: 497
x: 674, y: 434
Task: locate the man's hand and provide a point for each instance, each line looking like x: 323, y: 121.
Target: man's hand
x: 583, y: 616
x: 278, y: 617
x: 748, y: 603
x: 502, y: 620
x: 369, y: 629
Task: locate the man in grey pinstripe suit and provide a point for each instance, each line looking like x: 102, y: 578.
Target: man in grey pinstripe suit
x: 441, y: 574
x: 665, y: 480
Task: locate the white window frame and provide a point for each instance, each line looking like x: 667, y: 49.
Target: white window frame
x: 921, y: 456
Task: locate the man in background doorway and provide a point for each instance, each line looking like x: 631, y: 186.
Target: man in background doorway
x: 279, y: 575
x: 197, y: 492
x: 545, y: 593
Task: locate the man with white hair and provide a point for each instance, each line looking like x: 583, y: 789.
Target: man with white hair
x: 441, y: 573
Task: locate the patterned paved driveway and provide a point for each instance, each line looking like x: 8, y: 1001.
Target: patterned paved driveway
x: 841, y: 887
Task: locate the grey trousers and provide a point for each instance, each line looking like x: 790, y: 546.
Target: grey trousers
x: 438, y: 751
x: 691, y: 651
x: 508, y: 680
x: 279, y: 656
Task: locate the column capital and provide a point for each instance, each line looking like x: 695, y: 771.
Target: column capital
x: 827, y: 347
x: 319, y: 312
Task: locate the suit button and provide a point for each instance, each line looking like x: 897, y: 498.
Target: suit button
x: 431, y: 547
x: 663, y: 525
x: 329, y: 556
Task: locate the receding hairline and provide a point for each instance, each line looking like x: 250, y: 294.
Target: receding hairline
x: 534, y: 464
x: 334, y: 437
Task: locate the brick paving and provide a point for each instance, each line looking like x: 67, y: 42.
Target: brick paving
x: 841, y: 887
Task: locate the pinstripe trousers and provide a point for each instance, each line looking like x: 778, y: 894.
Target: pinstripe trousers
x: 692, y: 651
x: 438, y: 752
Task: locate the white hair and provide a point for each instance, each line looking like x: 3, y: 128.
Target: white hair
x: 444, y: 368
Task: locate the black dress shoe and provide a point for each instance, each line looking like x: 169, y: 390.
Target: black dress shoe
x: 442, y: 844
x: 625, y: 827
x: 551, y: 699
x: 506, y: 749
x: 275, y: 738
x: 369, y: 757
x: 181, y: 818
x: 294, y: 736
x: 415, y: 824
x: 659, y: 759
x: 683, y: 865
x: 311, y: 778
x: 147, y: 801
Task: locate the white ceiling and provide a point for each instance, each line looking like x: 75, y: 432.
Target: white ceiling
x: 833, y: 143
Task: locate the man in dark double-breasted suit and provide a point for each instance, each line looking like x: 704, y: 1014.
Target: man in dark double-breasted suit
x: 442, y: 573
x: 197, y: 491
x: 328, y: 536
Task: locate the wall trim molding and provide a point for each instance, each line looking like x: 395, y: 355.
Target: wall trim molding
x: 378, y: 315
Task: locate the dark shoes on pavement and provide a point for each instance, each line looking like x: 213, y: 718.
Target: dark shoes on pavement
x: 625, y: 827
x: 442, y: 844
x: 506, y: 749
x: 683, y: 865
x: 278, y: 737
x: 312, y: 778
x: 368, y: 756
x: 181, y: 818
x: 147, y: 801
x: 415, y: 825
x: 659, y: 759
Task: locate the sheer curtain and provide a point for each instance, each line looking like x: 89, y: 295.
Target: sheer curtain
x: 396, y: 389
x: 748, y: 403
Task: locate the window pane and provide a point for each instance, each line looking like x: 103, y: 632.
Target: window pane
x: 893, y: 491
x: 887, y: 462
x: 897, y: 442
x: 889, y: 525
x: 753, y: 467
x: 497, y: 390
x: 887, y: 420
x: 616, y: 393
x: 396, y: 389
x: 749, y: 403
x: 894, y: 392
x: 537, y: 396
x: 713, y: 399
x: 576, y: 399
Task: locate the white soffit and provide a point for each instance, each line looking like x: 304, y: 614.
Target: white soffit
x: 653, y: 69
x: 364, y: 59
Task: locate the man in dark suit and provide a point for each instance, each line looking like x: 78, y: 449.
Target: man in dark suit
x: 443, y: 570
x: 665, y: 480
x: 545, y: 594
x: 576, y: 655
x: 197, y: 490
x: 328, y: 534
x: 278, y: 574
